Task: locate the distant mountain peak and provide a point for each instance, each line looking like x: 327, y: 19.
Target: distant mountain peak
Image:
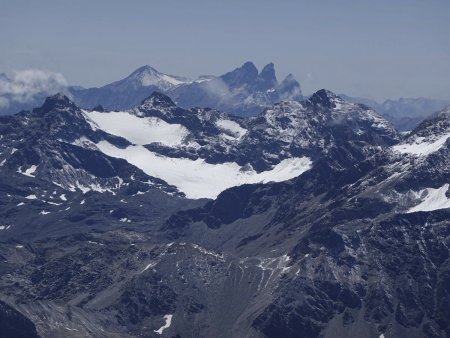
x: 243, y: 91
x: 246, y: 74
x: 289, y: 78
x: 324, y: 97
x: 267, y: 78
x: 57, y: 101
x: 157, y: 99
x: 145, y: 69
x: 249, y: 66
x: 99, y: 108
x: 268, y: 72
x: 148, y: 76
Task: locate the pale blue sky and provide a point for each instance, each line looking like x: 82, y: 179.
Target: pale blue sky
x: 377, y: 49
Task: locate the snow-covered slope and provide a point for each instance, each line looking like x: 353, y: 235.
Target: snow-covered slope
x: 422, y: 146
x: 138, y: 130
x: 202, y: 152
x: 196, y: 178
x: 199, y: 179
x: 432, y: 199
x: 147, y: 76
x: 430, y: 136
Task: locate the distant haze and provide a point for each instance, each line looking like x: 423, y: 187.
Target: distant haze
x: 375, y: 49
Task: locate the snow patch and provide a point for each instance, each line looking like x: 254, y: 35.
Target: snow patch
x: 150, y: 265
x: 420, y: 147
x: 171, y: 80
x: 168, y: 319
x: 139, y: 130
x: 199, y: 179
x: 432, y: 199
x: 29, y: 172
x: 207, y: 252
x: 96, y: 243
x: 236, y: 130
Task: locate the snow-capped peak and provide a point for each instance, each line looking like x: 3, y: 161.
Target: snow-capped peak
x: 147, y: 76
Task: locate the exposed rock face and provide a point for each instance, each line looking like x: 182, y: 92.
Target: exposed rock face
x: 98, y: 245
x: 243, y: 91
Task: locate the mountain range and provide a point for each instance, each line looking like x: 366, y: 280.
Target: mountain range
x: 405, y: 113
x: 244, y: 92
x: 313, y: 218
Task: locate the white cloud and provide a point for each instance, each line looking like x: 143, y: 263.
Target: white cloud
x: 217, y: 87
x: 24, y: 84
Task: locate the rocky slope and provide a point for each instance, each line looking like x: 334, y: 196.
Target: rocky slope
x: 354, y: 241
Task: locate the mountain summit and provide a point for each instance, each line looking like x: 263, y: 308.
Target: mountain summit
x: 57, y: 101
x: 267, y: 78
x: 246, y: 74
x: 325, y: 97
x: 242, y: 91
x: 148, y: 76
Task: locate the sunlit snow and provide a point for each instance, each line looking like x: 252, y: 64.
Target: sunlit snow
x: 420, y: 147
x: 199, y: 179
x: 232, y: 127
x: 168, y: 319
x: 139, y: 130
x: 433, y: 199
x: 29, y: 172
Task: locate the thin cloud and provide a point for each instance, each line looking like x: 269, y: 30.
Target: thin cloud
x: 25, y: 84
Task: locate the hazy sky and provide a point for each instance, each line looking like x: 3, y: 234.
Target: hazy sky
x: 377, y: 49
